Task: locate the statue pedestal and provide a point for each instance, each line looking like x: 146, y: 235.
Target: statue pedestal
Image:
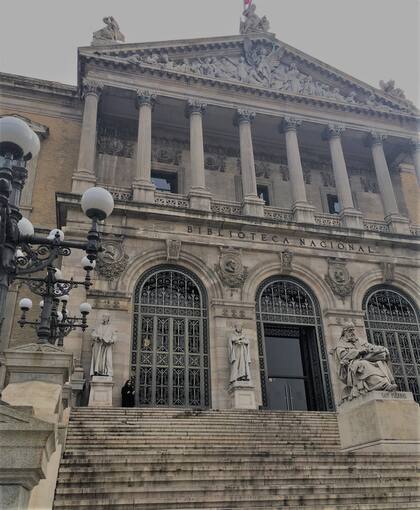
x: 242, y: 395
x: 380, y: 421
x: 100, y: 391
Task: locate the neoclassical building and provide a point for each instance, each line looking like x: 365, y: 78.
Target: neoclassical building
x: 254, y: 186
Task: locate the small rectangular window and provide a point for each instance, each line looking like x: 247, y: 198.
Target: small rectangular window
x: 333, y: 204
x: 262, y: 192
x: 165, y: 181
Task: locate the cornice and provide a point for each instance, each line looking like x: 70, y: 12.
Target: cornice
x: 119, y: 63
x: 17, y: 82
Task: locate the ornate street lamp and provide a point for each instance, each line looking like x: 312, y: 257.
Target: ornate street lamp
x: 24, y: 253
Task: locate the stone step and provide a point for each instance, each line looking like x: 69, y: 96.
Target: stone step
x: 268, y: 505
x: 286, y: 495
x: 167, y: 459
x: 215, y: 454
x: 246, y: 475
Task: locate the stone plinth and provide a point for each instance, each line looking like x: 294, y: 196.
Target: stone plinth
x: 253, y: 206
x: 303, y: 212
x: 27, y: 444
x: 242, y: 395
x: 380, y: 422
x: 351, y: 218
x: 38, y: 362
x: 200, y: 199
x: 100, y: 391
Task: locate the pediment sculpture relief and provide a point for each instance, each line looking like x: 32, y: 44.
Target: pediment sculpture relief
x: 264, y: 64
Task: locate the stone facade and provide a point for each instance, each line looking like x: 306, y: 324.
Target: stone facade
x: 193, y: 139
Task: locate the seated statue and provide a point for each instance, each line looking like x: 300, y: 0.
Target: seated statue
x: 253, y: 23
x: 109, y: 34
x: 361, y: 366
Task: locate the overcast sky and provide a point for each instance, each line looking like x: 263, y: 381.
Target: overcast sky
x: 369, y: 39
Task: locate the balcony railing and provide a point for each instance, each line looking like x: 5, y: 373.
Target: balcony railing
x: 376, y: 226
x: 331, y: 220
x: 278, y: 214
x: 227, y: 208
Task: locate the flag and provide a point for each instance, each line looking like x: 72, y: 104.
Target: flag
x: 247, y: 4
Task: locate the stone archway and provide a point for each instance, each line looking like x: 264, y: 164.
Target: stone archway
x: 292, y: 353
x: 170, y: 360
x: 392, y: 320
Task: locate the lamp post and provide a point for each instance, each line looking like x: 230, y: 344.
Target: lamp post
x: 24, y: 253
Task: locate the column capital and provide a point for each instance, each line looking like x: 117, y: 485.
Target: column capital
x: 91, y: 87
x: 243, y: 115
x: 290, y: 124
x: 375, y: 138
x: 195, y: 106
x: 145, y: 98
x: 333, y: 131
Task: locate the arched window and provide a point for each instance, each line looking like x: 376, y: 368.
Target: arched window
x: 392, y: 320
x: 293, y: 358
x: 170, y: 355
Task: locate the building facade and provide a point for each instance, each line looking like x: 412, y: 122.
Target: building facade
x: 255, y: 187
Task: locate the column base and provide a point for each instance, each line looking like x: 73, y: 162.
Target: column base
x: 380, y: 421
x: 352, y: 218
x: 200, y: 199
x: 242, y: 395
x: 144, y: 191
x: 253, y: 206
x: 303, y: 212
x: 398, y: 224
x: 82, y: 180
x: 100, y: 391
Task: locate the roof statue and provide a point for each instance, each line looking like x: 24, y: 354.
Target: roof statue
x: 109, y: 34
x: 253, y: 23
x: 389, y: 88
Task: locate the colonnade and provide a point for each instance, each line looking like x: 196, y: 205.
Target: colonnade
x: 200, y: 197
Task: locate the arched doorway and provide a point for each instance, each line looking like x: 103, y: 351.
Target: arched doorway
x: 292, y: 354
x: 170, y: 354
x: 392, y: 320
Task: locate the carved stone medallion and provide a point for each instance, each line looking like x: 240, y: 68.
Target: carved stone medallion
x: 338, y: 277
x: 112, y: 260
x: 230, y: 267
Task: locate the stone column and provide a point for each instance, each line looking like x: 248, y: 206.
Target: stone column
x: 143, y: 188
x: 302, y: 211
x: 415, y: 148
x: 252, y: 205
x: 350, y: 217
x: 397, y: 223
x: 199, y: 197
x: 85, y: 177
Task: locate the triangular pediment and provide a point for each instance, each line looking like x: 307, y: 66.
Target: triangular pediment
x: 259, y: 62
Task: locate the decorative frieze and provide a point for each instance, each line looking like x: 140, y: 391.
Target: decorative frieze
x: 265, y: 64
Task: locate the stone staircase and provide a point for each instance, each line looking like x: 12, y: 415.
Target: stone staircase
x: 166, y: 459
